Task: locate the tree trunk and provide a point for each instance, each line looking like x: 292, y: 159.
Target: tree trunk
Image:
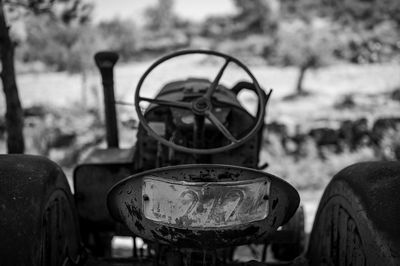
x: 84, y: 89
x: 14, y: 114
x: 299, y: 86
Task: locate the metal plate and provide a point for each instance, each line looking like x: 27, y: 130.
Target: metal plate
x: 205, y: 204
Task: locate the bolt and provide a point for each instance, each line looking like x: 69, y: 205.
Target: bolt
x: 201, y: 104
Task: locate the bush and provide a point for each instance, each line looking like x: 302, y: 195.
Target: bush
x: 58, y: 45
x: 389, y: 147
x: 120, y: 36
x: 309, y: 172
x: 305, y: 45
x: 300, y: 42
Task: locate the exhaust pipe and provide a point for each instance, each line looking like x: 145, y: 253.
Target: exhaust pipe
x: 105, y: 61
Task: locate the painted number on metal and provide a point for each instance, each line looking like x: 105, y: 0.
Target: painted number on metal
x: 207, y: 204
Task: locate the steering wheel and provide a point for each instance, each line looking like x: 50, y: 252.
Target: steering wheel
x: 202, y: 105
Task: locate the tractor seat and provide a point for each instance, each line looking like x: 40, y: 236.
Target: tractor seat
x: 207, y: 205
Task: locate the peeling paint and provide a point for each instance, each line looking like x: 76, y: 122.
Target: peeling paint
x: 202, y: 200
x: 205, y: 204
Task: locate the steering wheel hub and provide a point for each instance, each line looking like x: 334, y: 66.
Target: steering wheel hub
x: 201, y: 105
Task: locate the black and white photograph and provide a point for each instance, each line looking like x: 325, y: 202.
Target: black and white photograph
x: 199, y: 133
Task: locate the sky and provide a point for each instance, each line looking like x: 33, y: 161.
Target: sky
x: 195, y: 10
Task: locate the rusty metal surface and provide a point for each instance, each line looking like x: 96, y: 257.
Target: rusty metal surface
x: 125, y: 203
x: 110, y: 156
x: 93, y: 180
x: 205, y: 204
x: 105, y: 61
x: 193, y: 88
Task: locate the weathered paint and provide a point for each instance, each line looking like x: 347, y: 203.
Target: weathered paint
x: 205, y: 204
x: 125, y: 203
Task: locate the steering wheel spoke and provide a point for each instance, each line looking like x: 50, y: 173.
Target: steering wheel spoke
x: 215, y: 121
x: 215, y: 82
x: 184, y: 105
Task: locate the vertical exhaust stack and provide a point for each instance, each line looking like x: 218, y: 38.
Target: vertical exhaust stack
x: 105, y: 61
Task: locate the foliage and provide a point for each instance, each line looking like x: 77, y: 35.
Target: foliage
x: 60, y: 136
x: 310, y: 172
x: 68, y: 11
x: 253, y: 17
x: 48, y: 42
x: 389, y: 147
x: 303, y: 33
x: 298, y: 9
x: 216, y: 26
x: 58, y: 45
x: 161, y: 16
x: 257, y: 16
x: 305, y: 45
x: 120, y: 36
x: 366, y: 12
x: 375, y: 22
x: 61, y: 37
x: 301, y: 43
x: 71, y: 47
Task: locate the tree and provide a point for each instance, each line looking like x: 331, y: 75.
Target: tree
x: 120, y: 36
x: 257, y: 16
x: 377, y: 17
x: 67, y: 10
x: 14, y: 115
x: 366, y: 13
x: 161, y: 17
x: 306, y: 46
x: 62, y: 46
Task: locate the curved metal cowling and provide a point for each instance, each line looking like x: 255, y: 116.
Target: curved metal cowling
x: 126, y: 200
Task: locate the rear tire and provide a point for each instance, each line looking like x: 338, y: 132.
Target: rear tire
x: 38, y: 225
x: 346, y: 230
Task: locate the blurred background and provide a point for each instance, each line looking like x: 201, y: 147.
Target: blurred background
x: 333, y: 65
